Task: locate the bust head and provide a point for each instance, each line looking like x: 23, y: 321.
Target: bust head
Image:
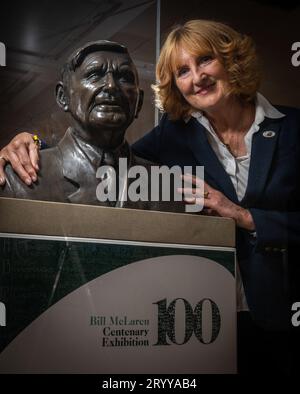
x: 99, y: 87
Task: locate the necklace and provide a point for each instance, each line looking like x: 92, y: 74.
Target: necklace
x: 234, y: 139
x: 235, y: 144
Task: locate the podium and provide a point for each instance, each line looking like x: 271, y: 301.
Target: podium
x: 88, y: 289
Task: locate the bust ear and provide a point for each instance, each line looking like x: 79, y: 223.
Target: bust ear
x: 139, y: 102
x: 61, y: 97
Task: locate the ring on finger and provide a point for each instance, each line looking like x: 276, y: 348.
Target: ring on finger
x: 206, y: 194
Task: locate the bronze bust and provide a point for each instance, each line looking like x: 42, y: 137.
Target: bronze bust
x: 99, y: 88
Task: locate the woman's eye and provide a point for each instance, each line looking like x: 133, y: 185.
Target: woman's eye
x: 205, y: 60
x: 182, y: 72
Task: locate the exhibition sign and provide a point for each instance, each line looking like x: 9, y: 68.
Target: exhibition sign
x: 124, y: 304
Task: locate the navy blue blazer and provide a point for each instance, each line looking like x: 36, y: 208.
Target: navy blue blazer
x: 272, y: 196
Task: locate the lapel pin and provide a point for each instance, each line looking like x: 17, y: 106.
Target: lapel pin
x: 269, y: 134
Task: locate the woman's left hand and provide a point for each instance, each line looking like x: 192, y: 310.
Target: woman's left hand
x: 215, y: 203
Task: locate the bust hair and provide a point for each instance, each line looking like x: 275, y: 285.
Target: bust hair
x: 77, y: 57
x: 236, y: 52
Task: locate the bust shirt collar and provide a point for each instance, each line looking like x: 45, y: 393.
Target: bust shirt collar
x: 97, y: 155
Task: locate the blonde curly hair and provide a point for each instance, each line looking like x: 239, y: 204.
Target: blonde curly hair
x: 236, y: 52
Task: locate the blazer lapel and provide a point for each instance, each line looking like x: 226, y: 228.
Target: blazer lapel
x: 78, y: 170
x: 206, y: 157
x: 263, y: 147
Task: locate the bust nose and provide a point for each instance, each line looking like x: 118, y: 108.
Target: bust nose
x: 109, y: 83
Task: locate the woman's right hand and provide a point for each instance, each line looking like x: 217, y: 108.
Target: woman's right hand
x: 23, y: 155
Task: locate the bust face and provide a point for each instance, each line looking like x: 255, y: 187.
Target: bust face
x: 103, y: 93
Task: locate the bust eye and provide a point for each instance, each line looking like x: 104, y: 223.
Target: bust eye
x: 94, y: 75
x: 126, y: 76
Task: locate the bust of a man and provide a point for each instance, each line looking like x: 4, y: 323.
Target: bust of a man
x: 99, y: 88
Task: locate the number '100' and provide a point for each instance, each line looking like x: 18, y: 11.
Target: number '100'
x: 193, y: 321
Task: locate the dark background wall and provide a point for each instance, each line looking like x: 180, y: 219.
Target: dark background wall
x: 40, y: 34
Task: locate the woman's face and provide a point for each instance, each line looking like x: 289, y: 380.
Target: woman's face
x: 202, y: 81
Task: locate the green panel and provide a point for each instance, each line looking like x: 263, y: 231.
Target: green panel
x: 35, y: 274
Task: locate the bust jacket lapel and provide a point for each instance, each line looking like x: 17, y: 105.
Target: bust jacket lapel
x: 78, y: 170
